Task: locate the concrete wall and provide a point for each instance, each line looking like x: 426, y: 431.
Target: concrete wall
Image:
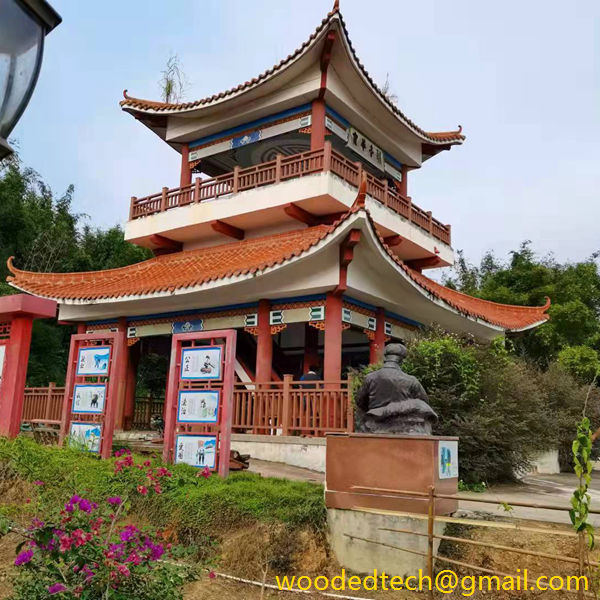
x: 344, y: 526
x: 308, y: 453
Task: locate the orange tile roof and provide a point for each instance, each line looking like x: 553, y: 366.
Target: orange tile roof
x: 141, y: 105
x: 191, y: 268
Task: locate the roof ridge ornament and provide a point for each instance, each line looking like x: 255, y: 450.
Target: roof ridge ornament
x: 362, y: 194
x: 336, y: 7
x: 125, y: 95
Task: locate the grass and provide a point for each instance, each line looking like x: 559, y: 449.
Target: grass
x: 189, y: 505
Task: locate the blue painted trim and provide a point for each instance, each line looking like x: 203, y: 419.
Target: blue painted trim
x: 387, y: 313
x: 337, y: 116
x: 392, y: 160
x: 263, y: 121
x: 298, y: 299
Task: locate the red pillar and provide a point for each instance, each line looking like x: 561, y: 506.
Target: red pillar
x: 264, y: 344
x: 404, y: 183
x: 317, y: 127
x: 378, y: 342
x: 311, y: 347
x: 332, y: 362
x: 186, y: 172
x: 119, y: 372
x: 19, y: 311
x: 130, y: 384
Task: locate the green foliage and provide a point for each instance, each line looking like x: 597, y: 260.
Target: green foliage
x: 526, y: 279
x: 191, y: 505
x: 43, y: 233
x: 582, y: 362
x: 504, y: 409
x: 583, y: 465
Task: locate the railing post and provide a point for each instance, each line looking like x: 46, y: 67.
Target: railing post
x: 197, y: 184
x: 430, y: 533
x: 385, y: 192
x: 163, y: 200
x: 286, y: 404
x: 449, y: 230
x: 131, y: 207
x: 327, y: 156
x: 278, y: 168
x: 236, y: 179
x: 49, y: 401
x: 360, y: 173
x: 430, y: 224
x: 410, y: 215
x: 350, y: 407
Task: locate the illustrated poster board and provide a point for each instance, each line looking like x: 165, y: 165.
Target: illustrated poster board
x: 89, y: 398
x: 196, y: 450
x: 448, y: 459
x: 93, y: 360
x: 2, y: 358
x: 201, y: 363
x: 86, y: 436
x: 198, y: 406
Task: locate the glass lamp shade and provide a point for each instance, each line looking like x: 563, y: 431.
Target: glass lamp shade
x: 22, y: 32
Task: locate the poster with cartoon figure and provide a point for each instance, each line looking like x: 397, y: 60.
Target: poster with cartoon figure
x: 2, y: 355
x: 198, y: 406
x: 85, y: 436
x: 89, y: 398
x: 196, y: 450
x: 448, y: 459
x: 201, y: 363
x: 93, y: 360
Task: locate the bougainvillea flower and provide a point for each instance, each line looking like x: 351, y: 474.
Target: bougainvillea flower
x: 56, y: 588
x: 23, y: 558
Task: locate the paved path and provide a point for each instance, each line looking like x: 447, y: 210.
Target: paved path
x: 534, y: 489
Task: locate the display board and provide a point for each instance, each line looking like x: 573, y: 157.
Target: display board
x: 93, y: 375
x: 447, y: 459
x: 199, y: 400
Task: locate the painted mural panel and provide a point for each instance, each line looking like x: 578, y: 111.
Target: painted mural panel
x: 93, y: 360
x: 201, y: 363
x: 196, y: 450
x: 89, y: 398
x: 198, y: 406
x: 85, y: 435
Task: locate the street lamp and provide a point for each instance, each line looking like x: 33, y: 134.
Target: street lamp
x: 23, y: 27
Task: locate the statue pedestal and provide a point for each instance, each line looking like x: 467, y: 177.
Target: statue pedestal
x: 363, y: 470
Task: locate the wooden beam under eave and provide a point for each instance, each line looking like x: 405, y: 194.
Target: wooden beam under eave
x: 228, y: 230
x: 294, y: 211
x: 393, y: 240
x: 164, y: 245
x: 419, y: 264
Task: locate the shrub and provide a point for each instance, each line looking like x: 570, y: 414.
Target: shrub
x: 84, y: 553
x: 582, y: 362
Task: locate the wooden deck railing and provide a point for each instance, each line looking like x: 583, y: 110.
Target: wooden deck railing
x: 282, y: 169
x: 43, y: 403
x: 286, y: 407
x: 290, y: 407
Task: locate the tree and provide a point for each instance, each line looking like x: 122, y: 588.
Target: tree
x: 526, y: 279
x: 44, y: 234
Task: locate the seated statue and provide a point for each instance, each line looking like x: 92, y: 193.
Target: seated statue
x: 391, y: 401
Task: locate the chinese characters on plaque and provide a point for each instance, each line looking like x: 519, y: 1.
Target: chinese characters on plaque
x: 89, y: 398
x: 198, y: 406
x: 196, y: 450
x: 93, y: 360
x: 201, y: 363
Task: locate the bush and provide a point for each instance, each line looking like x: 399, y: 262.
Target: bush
x: 84, y: 553
x: 581, y: 362
x: 504, y: 409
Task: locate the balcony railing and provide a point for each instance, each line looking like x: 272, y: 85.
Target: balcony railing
x: 282, y: 169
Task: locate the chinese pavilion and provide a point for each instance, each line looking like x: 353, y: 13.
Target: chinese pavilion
x: 292, y: 223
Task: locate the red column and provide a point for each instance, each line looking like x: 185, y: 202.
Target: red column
x: 186, y: 172
x: 332, y: 362
x: 311, y: 347
x: 317, y: 127
x: 404, y: 183
x: 15, y: 372
x: 378, y: 342
x: 264, y: 344
x: 130, y: 384
x: 119, y: 373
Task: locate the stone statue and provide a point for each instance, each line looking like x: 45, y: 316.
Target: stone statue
x: 390, y: 401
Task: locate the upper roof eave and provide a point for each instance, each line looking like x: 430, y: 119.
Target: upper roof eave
x: 146, y: 110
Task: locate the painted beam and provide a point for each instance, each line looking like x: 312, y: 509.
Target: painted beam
x: 227, y: 229
x: 294, y: 211
x: 423, y: 263
x: 164, y: 245
x: 393, y: 240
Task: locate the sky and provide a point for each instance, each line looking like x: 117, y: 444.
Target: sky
x: 521, y: 77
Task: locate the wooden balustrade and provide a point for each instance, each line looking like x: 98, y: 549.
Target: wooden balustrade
x: 43, y: 403
x: 282, y: 169
x: 292, y: 407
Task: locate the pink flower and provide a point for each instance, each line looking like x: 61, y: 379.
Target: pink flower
x: 142, y: 489
x: 212, y: 575
x: 157, y: 489
x: 65, y: 543
x: 123, y: 570
x: 206, y: 473
x: 23, y: 558
x: 147, y: 463
x: 38, y: 482
x: 57, y: 588
x: 114, y: 500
